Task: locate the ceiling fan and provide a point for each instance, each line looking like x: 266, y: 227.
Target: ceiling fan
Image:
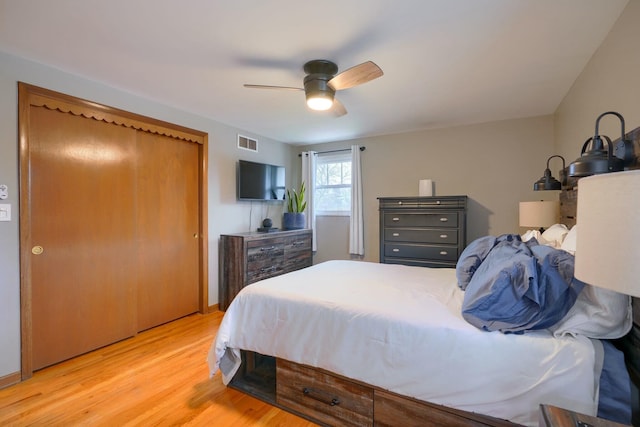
x: 321, y: 83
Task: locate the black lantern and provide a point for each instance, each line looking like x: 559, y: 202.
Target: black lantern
x: 598, y: 159
x: 548, y: 182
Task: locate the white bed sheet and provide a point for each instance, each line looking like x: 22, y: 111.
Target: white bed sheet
x: 400, y: 328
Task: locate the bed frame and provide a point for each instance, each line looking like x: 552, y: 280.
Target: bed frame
x: 330, y: 399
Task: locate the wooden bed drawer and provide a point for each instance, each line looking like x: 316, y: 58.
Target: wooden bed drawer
x: 323, y: 397
x: 393, y: 410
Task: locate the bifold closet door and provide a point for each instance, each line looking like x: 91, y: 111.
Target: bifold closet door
x: 168, y: 221
x: 83, y: 258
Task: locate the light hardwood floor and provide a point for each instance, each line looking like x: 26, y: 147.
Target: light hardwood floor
x: 158, y: 378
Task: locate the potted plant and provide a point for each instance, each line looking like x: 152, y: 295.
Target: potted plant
x: 294, y: 219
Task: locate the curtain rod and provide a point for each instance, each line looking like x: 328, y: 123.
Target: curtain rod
x: 334, y: 151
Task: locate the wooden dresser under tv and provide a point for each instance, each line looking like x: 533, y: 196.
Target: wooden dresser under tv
x: 248, y: 257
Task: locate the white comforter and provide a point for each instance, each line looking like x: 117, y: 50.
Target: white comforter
x: 400, y: 328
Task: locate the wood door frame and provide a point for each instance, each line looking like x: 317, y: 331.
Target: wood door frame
x: 33, y: 96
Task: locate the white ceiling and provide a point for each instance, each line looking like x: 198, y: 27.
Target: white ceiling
x: 446, y: 62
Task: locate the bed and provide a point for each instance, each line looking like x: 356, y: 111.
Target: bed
x: 358, y: 343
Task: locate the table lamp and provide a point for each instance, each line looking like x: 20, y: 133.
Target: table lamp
x: 540, y: 214
x: 608, y: 242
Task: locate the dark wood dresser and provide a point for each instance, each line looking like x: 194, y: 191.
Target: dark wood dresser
x: 248, y: 257
x: 422, y: 231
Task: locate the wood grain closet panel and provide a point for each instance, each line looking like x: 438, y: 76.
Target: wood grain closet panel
x: 167, y: 229
x: 81, y: 176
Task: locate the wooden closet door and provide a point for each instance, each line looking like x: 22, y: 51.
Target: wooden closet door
x: 82, y: 203
x: 167, y: 229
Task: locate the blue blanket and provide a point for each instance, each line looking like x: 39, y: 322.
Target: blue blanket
x: 513, y: 286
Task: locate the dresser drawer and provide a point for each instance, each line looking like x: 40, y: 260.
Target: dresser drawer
x: 421, y: 219
x: 297, y: 253
x: 265, y: 260
x: 421, y: 235
x: 322, y: 396
x: 265, y: 252
x: 264, y: 271
x: 432, y: 252
x: 295, y: 245
x: 423, y: 202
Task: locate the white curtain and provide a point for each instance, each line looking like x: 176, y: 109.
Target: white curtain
x: 309, y: 179
x: 356, y: 225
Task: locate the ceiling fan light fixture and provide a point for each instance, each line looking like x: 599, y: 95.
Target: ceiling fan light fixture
x: 318, y: 92
x: 320, y: 101
x: 321, y: 83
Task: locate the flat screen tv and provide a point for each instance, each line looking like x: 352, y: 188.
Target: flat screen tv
x: 259, y: 181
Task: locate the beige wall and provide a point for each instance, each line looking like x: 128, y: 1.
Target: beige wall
x: 609, y: 82
x: 494, y: 164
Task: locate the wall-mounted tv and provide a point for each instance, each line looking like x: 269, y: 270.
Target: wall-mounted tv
x: 259, y: 181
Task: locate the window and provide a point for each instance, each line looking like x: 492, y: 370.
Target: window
x: 333, y: 184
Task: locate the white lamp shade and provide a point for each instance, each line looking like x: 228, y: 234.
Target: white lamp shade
x: 608, y: 239
x: 539, y: 213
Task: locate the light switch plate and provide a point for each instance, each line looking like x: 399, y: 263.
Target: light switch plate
x: 4, y: 191
x: 5, y: 212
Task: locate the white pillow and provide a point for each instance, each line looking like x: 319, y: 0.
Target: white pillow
x: 597, y: 313
x: 569, y: 242
x: 554, y: 235
x: 530, y: 234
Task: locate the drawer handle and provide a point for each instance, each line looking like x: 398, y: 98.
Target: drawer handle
x: 396, y: 250
x: 443, y: 219
x: 443, y: 236
x: 443, y: 252
x: 298, y: 243
x: 322, y: 396
x: 270, y: 248
x: 395, y: 219
x: 396, y: 234
x: 268, y: 269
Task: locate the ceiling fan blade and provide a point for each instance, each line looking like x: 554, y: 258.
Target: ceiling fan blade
x: 272, y: 87
x: 355, y: 76
x: 338, y: 108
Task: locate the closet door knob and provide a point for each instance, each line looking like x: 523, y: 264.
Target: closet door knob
x: 37, y: 250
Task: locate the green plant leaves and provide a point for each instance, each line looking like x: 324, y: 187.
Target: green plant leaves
x: 296, y: 202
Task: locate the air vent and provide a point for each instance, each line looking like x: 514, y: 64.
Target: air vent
x: 247, y: 143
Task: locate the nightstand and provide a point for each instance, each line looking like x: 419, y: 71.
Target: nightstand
x: 552, y: 416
